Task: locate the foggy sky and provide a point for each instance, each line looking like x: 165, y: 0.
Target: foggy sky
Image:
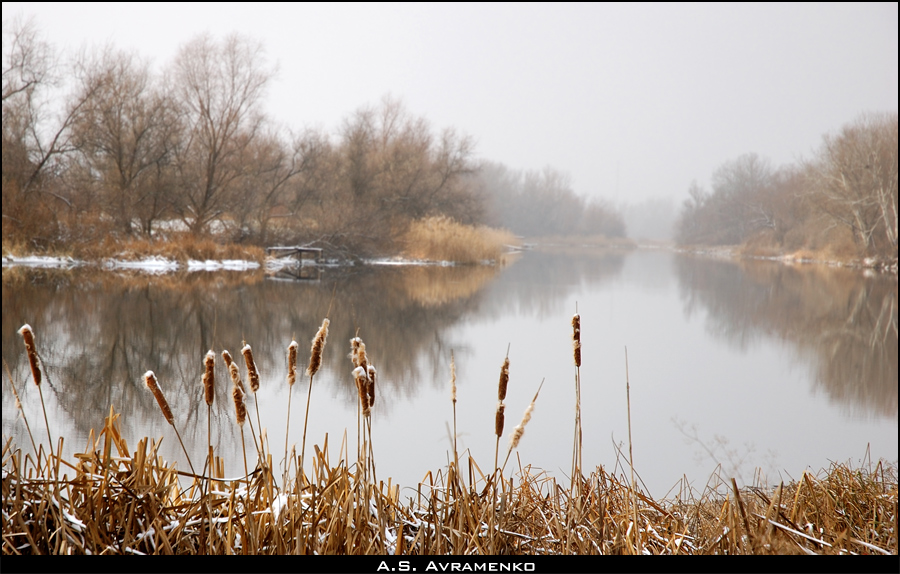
x: 632, y: 100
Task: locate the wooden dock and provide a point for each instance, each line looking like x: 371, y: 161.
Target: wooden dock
x: 297, y: 252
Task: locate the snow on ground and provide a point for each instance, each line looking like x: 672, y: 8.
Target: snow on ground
x: 41, y: 262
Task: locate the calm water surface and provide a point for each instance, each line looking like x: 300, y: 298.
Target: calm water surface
x: 756, y: 367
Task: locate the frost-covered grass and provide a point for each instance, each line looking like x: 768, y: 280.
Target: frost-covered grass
x: 113, y: 499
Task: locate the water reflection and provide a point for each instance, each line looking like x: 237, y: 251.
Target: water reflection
x: 844, y: 325
x: 98, y: 332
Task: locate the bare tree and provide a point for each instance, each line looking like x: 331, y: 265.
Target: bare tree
x: 853, y: 179
x: 220, y: 86
x: 125, y: 134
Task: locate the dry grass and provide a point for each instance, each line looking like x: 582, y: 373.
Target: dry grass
x: 115, y: 500
x: 442, y: 239
x: 179, y: 247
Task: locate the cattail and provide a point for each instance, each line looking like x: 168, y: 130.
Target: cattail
x: 240, y: 409
x: 318, y: 345
x: 354, y: 350
x: 362, y: 359
x: 370, y: 387
x: 499, y: 420
x: 209, y: 378
x: 517, y: 433
x: 452, y: 378
x: 292, y: 363
x: 504, y: 380
x: 359, y: 374
x: 28, y: 337
x: 576, y: 337
x: 233, y: 371
x: 252, y: 373
x: 153, y: 385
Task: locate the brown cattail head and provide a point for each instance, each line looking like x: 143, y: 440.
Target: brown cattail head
x: 499, y: 419
x: 504, y: 380
x: 292, y: 363
x: 28, y: 337
x: 354, y: 350
x: 209, y: 378
x: 576, y: 337
x: 233, y: 371
x: 252, y: 373
x: 361, y: 358
x: 362, y: 385
x: 370, y: 387
x: 240, y: 409
x: 452, y: 378
x: 318, y: 345
x: 153, y: 385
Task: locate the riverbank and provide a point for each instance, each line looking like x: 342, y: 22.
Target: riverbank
x: 803, y: 256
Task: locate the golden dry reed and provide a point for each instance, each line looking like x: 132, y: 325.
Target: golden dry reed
x: 28, y: 337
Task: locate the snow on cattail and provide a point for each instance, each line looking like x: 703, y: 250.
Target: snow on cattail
x: 233, y: 371
x: 576, y: 337
x: 153, y: 385
x: 209, y: 378
x: 292, y: 363
x: 31, y: 350
x: 362, y: 380
x: 252, y: 373
x: 318, y: 345
x: 370, y: 387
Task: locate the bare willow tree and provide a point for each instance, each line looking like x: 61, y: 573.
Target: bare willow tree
x: 219, y: 86
x: 125, y: 135
x: 853, y: 180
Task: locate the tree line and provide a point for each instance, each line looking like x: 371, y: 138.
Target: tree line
x: 102, y: 146
x: 842, y: 199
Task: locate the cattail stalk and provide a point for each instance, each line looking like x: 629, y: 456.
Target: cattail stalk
x: 637, y: 535
x: 453, y: 398
x: 292, y: 378
x: 577, y: 442
x: 253, y: 378
x: 237, y: 382
x: 209, y: 394
x: 315, y: 362
x: 31, y: 351
x: 501, y: 395
x: 153, y: 385
x: 240, y: 411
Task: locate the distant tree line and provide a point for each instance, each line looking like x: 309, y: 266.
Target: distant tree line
x: 844, y: 198
x: 104, y: 147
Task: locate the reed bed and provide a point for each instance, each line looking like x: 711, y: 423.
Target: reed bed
x: 111, y: 499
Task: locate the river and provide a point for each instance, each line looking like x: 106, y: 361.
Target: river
x: 757, y: 368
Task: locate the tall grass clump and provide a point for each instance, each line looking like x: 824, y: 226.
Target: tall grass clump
x: 443, y: 239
